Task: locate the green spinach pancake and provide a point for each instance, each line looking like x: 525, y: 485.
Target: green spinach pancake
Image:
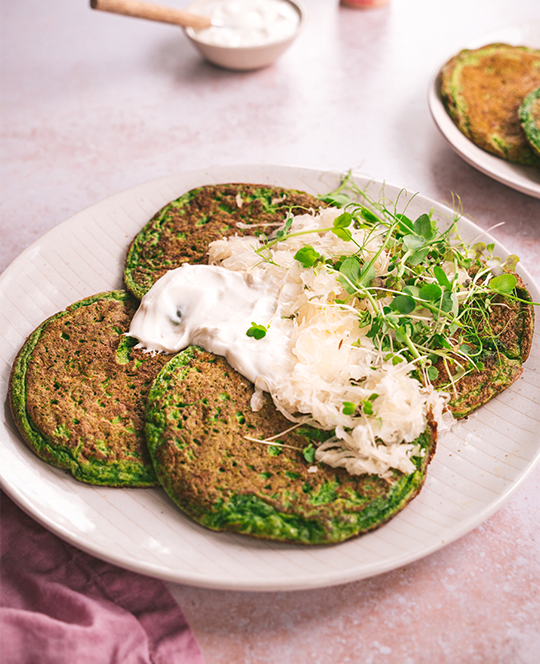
x: 483, y: 89
x: 200, y: 430
x: 529, y: 115
x: 182, y: 230
x: 78, y: 391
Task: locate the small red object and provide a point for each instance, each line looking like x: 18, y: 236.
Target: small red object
x: 364, y: 4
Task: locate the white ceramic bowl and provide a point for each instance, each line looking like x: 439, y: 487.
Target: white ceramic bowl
x: 243, y: 58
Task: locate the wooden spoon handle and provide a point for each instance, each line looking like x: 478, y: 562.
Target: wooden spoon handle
x: 152, y: 12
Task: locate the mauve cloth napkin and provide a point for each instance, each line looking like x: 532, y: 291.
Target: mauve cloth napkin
x: 59, y: 605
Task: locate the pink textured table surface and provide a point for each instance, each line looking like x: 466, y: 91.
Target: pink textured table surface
x: 94, y: 103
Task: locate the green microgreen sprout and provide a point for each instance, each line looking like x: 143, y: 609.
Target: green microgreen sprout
x: 309, y: 453
x: 348, y: 408
x: 308, y: 256
x: 341, y: 226
x: 281, y: 233
x: 433, y: 373
x: 257, y: 331
x: 504, y: 283
x: 367, y: 404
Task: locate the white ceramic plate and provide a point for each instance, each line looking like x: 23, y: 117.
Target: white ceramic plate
x: 476, y: 467
x: 523, y: 178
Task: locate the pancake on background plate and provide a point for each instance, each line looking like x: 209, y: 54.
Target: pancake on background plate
x: 198, y: 416
x: 181, y: 231
x: 78, y: 390
x: 529, y: 114
x: 483, y: 89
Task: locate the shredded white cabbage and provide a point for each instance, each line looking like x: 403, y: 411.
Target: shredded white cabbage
x: 331, y: 361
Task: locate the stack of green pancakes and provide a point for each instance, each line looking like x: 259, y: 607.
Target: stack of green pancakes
x: 483, y: 91
x: 86, y: 399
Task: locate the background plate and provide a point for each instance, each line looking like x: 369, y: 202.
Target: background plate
x: 476, y: 468
x: 523, y: 178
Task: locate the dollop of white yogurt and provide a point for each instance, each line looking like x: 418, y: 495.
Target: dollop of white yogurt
x: 247, y: 22
x: 213, y: 307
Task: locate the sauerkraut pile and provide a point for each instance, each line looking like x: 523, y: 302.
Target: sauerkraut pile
x: 368, y: 301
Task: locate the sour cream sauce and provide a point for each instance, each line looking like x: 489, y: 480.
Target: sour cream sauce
x: 247, y: 22
x: 213, y: 307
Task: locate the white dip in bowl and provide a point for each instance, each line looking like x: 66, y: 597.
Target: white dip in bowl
x: 250, y: 33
